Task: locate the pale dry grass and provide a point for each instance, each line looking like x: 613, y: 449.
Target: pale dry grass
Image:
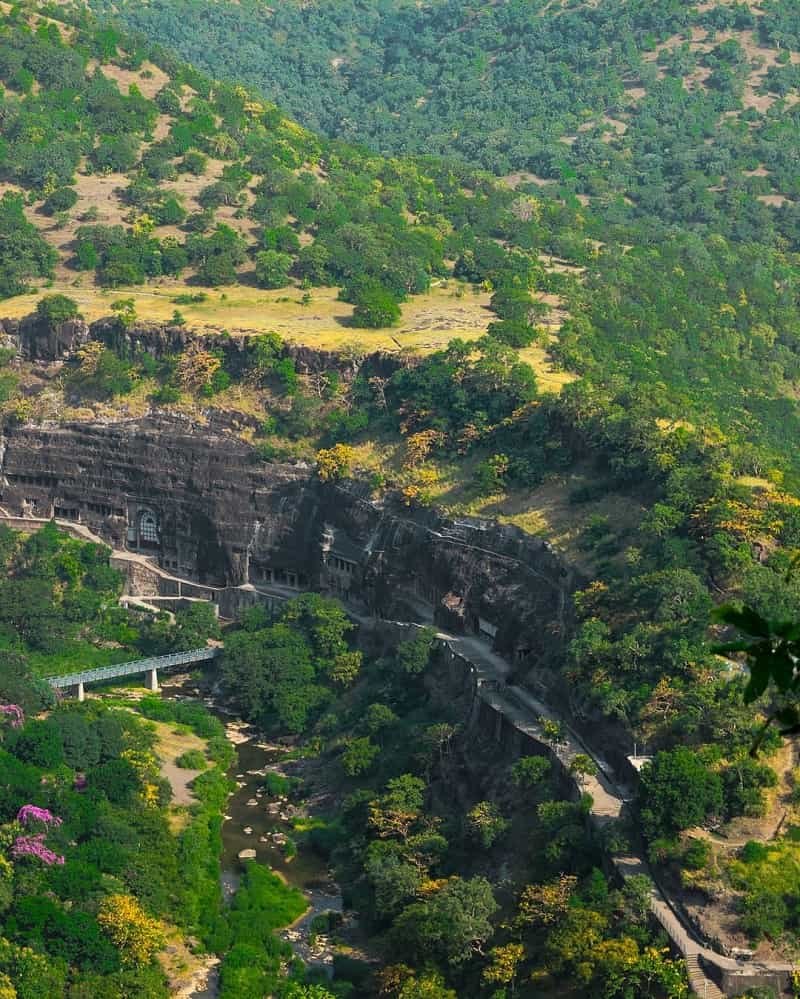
x: 547, y: 512
x: 170, y: 744
x: 513, y: 180
x: 429, y: 321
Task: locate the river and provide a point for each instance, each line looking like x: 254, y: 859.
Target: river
x: 257, y: 821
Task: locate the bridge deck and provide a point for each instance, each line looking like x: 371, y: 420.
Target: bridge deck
x: 132, y: 668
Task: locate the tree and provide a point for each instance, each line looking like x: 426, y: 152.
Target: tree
x: 484, y: 824
x: 346, y: 667
x: 394, y: 813
x: 394, y: 880
x: 678, y: 792
x: 312, y: 264
x: 379, y: 717
x: 413, y: 655
x: 24, y: 254
x: 530, y: 771
x: 56, y: 309
x: 375, y: 309
x: 545, y: 904
x: 125, y: 311
x: 451, y: 925
x: 137, y: 935
x: 359, y: 756
x: 335, y: 462
x: 102, y: 372
x: 297, y: 991
x: 79, y: 737
x: 272, y: 269
x: 273, y: 673
x: 39, y: 742
x: 505, y: 962
x: 581, y: 766
x: 402, y: 982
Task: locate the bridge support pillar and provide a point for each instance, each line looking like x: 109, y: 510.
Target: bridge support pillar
x: 151, y: 680
x: 81, y: 691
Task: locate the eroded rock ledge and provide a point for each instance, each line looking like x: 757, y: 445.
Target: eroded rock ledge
x: 36, y: 340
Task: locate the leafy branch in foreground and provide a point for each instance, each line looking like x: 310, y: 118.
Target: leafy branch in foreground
x: 772, y: 654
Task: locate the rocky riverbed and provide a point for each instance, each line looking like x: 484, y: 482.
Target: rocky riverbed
x: 259, y: 828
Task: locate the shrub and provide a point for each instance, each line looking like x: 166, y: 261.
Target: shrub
x: 530, y: 771
x: 376, y: 309
x: 277, y: 785
x: 359, y: 756
x: 514, y: 332
x: 166, y: 395
x: 697, y: 854
x: 764, y: 914
x: 192, y: 759
x: 55, y: 309
x: 753, y: 852
x: 61, y: 200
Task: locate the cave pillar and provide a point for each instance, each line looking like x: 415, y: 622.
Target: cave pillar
x: 151, y: 680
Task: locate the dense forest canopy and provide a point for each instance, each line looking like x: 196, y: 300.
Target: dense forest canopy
x: 655, y: 109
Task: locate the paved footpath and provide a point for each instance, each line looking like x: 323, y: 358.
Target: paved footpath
x: 525, y: 712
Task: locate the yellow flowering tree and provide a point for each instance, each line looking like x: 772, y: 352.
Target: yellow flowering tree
x: 335, y: 462
x: 137, y: 935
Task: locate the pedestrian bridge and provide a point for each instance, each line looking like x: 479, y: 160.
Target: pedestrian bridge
x: 149, y: 667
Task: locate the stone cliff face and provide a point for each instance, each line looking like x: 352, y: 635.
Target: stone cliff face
x: 36, y: 340
x: 198, y: 501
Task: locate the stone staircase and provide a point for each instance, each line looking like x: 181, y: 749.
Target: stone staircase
x: 701, y: 984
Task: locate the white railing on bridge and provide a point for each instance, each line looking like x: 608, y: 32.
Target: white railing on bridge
x: 132, y: 668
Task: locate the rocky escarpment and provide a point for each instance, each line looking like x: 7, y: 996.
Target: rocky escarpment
x: 201, y: 503
x: 37, y: 340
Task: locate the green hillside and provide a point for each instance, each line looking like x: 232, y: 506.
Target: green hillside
x: 657, y: 110
x: 611, y: 360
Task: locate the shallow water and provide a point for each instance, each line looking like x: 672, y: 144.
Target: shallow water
x: 266, y: 817
x: 305, y: 869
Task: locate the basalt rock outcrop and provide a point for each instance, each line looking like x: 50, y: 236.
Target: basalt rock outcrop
x: 37, y: 340
x: 200, y: 502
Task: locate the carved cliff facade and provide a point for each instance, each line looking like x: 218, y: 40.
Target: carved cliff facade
x: 200, y: 504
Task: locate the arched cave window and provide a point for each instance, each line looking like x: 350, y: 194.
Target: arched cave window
x: 148, y: 530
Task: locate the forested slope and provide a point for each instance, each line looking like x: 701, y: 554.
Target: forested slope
x: 670, y: 452
x: 656, y: 110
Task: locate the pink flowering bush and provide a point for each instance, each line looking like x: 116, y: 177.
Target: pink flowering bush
x: 32, y: 812
x: 14, y: 713
x: 33, y: 846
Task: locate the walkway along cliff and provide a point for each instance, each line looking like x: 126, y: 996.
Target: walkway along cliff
x: 193, y: 514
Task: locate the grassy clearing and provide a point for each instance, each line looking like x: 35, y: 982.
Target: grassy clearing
x: 429, y: 321
x: 76, y: 654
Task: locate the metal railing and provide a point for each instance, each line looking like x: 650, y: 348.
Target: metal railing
x: 138, y: 666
